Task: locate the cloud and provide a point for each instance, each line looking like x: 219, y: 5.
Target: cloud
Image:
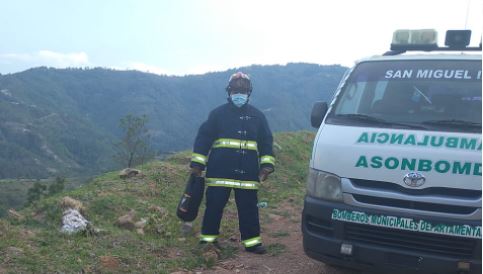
x: 46, y: 58
x: 66, y: 59
x: 203, y: 68
x: 16, y: 57
x: 147, y: 68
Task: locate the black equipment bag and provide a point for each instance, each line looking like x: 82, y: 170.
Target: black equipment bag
x: 190, y: 201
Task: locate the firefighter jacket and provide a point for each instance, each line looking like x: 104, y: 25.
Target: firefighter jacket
x: 233, y: 144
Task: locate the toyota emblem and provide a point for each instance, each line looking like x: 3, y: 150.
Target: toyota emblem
x: 414, y: 179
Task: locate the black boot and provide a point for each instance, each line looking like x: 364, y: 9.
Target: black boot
x: 204, y: 244
x: 257, y: 249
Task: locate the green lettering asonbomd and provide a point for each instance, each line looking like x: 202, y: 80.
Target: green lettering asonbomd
x: 362, y: 162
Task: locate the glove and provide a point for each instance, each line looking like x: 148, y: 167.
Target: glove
x: 264, y: 172
x: 196, y: 171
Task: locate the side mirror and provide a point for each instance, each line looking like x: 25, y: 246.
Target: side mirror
x: 318, y: 113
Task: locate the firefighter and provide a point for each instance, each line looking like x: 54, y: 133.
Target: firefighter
x: 235, y: 146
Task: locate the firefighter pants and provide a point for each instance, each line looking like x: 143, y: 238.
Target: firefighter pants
x: 248, y: 220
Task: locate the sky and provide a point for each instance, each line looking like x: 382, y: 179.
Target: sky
x: 181, y: 37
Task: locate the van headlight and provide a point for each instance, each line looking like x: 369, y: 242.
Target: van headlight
x: 324, y: 185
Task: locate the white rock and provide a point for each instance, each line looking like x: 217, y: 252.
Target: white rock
x: 73, y: 222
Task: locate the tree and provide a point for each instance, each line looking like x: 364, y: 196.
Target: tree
x: 57, y: 186
x: 134, y: 146
x: 40, y: 190
x: 37, y: 191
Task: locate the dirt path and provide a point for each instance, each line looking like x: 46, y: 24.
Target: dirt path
x: 281, y: 233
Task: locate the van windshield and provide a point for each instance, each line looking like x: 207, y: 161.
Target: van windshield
x: 430, y: 95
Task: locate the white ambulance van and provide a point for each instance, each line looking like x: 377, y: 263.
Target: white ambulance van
x: 395, y: 176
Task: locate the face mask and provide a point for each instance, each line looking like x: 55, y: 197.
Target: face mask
x: 239, y: 99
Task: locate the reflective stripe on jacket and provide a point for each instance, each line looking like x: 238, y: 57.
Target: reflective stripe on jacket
x: 233, y: 144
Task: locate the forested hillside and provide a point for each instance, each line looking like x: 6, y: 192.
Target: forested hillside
x: 66, y: 121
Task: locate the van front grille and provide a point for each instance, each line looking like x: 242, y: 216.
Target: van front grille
x: 402, y: 198
x: 414, y: 205
x: 440, y: 191
x: 455, y: 247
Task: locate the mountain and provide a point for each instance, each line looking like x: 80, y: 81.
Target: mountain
x: 66, y: 121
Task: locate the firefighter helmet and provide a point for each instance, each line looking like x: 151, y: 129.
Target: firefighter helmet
x: 239, y: 82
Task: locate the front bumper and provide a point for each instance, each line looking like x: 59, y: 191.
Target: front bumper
x: 384, y: 250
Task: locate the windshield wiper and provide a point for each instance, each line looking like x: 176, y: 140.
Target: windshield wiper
x: 361, y: 117
x: 375, y: 120
x: 452, y: 122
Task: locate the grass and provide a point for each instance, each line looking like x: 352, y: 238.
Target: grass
x: 35, y: 245
x: 13, y: 193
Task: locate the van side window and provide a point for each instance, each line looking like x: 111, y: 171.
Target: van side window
x: 351, y: 98
x: 379, y: 92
